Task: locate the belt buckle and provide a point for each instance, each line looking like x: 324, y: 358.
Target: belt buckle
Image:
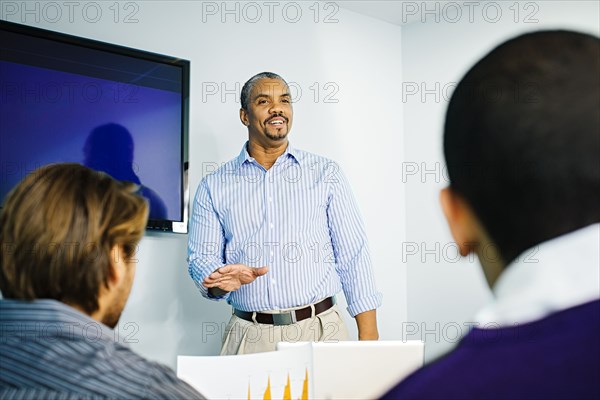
x: 284, y: 318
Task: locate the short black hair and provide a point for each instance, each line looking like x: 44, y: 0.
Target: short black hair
x: 522, y: 138
x: 250, y: 83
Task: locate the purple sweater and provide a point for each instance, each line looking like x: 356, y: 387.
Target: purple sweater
x: 557, y: 357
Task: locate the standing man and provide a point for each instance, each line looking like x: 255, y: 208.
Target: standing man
x: 276, y: 233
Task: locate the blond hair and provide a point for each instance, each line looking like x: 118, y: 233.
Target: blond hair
x: 57, y: 230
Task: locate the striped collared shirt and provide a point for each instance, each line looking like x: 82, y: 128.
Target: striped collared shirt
x: 299, y: 218
x: 49, y: 350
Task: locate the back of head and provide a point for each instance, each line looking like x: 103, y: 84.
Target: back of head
x: 57, y: 230
x: 522, y: 138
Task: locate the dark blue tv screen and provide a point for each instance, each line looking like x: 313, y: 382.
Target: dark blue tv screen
x: 114, y: 109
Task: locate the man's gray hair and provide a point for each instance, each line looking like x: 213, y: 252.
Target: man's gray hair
x: 249, y: 85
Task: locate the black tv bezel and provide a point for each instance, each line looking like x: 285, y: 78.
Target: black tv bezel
x: 180, y: 226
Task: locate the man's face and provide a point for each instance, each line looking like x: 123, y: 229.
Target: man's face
x: 269, y: 114
x: 120, y: 296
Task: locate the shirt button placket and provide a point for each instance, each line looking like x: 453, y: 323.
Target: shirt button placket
x: 269, y: 234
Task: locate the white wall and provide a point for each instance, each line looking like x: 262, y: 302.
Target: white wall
x: 358, y: 56
x: 443, y: 292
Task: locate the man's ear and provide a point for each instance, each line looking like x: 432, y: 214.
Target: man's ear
x: 244, y: 117
x: 461, y: 220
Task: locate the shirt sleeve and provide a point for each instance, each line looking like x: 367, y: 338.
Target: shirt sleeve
x: 164, y: 384
x: 206, y: 240
x: 350, y: 246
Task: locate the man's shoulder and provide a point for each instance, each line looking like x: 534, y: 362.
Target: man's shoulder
x: 161, y: 381
x: 321, y: 167
x: 214, y: 170
x: 485, y: 359
x: 309, y: 157
x: 79, y: 368
x: 141, y: 374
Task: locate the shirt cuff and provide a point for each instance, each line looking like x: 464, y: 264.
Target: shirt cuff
x: 216, y: 298
x: 198, y: 277
x: 365, y: 304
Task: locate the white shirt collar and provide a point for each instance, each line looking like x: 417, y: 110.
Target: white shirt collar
x: 555, y: 275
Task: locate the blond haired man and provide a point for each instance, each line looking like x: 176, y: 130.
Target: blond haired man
x: 68, y: 237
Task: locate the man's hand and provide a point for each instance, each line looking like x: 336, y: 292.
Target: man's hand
x: 230, y: 278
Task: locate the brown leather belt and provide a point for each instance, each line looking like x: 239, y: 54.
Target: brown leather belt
x: 286, y: 318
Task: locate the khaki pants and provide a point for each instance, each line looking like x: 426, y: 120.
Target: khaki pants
x: 245, y: 337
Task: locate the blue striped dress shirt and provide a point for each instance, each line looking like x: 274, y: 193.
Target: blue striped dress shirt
x: 49, y: 350
x: 299, y: 218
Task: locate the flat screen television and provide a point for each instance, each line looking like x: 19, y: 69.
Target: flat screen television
x: 112, y: 108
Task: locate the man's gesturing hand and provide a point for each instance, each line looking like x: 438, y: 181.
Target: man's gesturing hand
x: 230, y: 278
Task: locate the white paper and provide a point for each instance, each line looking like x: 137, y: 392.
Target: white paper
x: 248, y: 376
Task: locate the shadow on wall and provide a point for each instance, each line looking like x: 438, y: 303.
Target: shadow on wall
x: 109, y: 148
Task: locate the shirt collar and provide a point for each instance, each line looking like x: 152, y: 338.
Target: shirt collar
x: 290, y: 151
x: 46, y: 318
x: 558, y: 274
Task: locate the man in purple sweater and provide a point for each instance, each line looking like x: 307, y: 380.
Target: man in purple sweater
x: 524, y: 196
